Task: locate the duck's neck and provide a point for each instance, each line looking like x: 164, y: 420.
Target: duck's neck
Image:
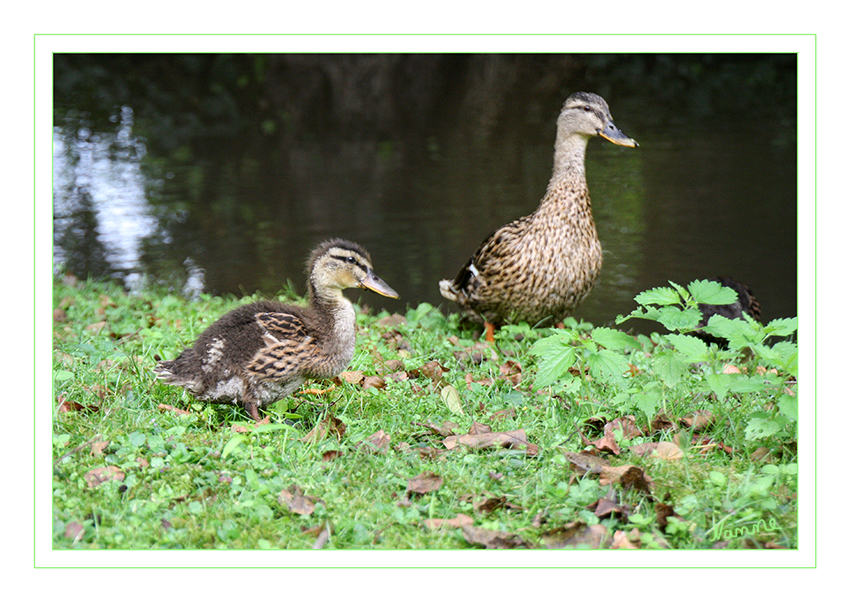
x: 338, y: 311
x: 568, y: 170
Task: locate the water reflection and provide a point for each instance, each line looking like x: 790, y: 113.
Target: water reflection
x: 100, y: 204
x: 416, y: 158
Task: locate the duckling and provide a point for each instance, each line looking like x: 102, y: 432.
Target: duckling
x: 538, y: 268
x: 263, y: 351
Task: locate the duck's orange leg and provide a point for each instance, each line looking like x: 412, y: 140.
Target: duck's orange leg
x: 489, y: 329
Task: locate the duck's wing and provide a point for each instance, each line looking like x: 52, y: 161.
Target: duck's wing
x: 494, y: 258
x: 288, y: 345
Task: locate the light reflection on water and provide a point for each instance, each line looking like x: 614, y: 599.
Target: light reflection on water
x: 101, y: 173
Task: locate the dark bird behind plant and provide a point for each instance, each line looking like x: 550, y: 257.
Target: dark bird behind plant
x: 746, y: 304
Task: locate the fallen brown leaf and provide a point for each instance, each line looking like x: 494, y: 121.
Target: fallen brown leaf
x: 484, y: 382
x: 393, y: 320
x: 662, y: 422
x: 698, y: 420
x: 295, y: 500
x: 390, y: 366
x: 352, y: 377
x: 322, y: 538
x: 502, y: 414
x: 331, y: 454
x: 605, y: 507
x: 491, y: 504
x: 575, y: 534
x: 512, y: 372
x: 433, y: 370
x: 585, y: 462
x: 97, y: 447
x: 662, y: 513
x: 98, y: 476
x: 97, y: 327
x: 513, y: 439
x: 492, y: 540
x: 74, y: 530
x: 447, y: 428
x: 331, y: 425
x: 375, y: 382
x: 629, y: 476
x: 377, y: 442
x: 167, y: 408
x: 622, y: 540
x: 461, y: 520
x: 424, y: 483
x: 643, y: 449
x: 429, y: 453
x: 668, y: 451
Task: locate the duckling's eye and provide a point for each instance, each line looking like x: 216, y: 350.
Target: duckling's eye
x: 587, y: 108
x: 350, y: 259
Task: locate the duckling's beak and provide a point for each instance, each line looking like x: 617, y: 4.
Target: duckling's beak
x: 373, y: 283
x: 612, y: 133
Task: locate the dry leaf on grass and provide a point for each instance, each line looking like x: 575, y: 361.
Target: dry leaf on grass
x: 376, y: 442
x: 492, y: 540
x: 623, y: 540
x: 513, y: 439
x: 424, y: 483
x: 331, y: 454
x: 74, y: 530
x: 295, y: 500
x: 699, y: 420
x: 393, y: 320
x: 446, y: 429
x: 575, y: 534
x: 352, y: 377
x: 331, y: 425
x: 512, y: 372
x: 374, y: 382
x: 433, y: 370
x: 391, y: 366
x: 461, y: 520
x: 662, y: 513
x: 629, y: 476
x: 97, y: 476
x: 491, y: 504
x: 167, y: 408
x: 668, y: 451
x: 585, y: 462
x: 604, y: 507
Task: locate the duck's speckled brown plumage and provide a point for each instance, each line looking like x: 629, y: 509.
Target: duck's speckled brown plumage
x: 262, y: 352
x: 539, y: 267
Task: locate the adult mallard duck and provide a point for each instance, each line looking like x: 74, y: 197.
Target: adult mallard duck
x: 263, y: 351
x: 538, y: 268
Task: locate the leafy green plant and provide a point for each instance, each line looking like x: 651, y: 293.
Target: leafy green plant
x: 677, y: 309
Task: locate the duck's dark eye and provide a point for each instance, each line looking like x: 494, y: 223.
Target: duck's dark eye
x: 350, y: 259
x: 587, y: 108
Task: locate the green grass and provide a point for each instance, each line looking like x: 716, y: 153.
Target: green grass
x: 211, y: 479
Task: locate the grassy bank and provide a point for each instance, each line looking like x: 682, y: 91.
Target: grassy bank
x: 578, y: 437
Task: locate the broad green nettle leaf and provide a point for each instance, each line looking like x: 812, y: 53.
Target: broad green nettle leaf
x: 659, y: 296
x: 712, y: 293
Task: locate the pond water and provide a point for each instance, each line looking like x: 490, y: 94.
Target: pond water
x: 417, y: 161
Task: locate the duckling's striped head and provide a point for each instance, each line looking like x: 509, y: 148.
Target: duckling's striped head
x: 338, y: 264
